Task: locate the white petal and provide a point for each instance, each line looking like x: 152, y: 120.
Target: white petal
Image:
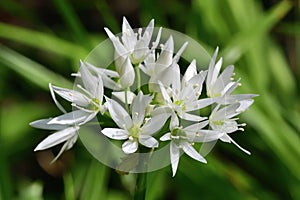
x: 128, y: 36
x: 199, y: 104
x: 148, y: 141
x: 130, y: 146
x: 57, y: 138
x: 70, y: 118
x: 196, y: 127
x: 191, y: 117
x: 166, y: 137
x: 156, y: 42
x: 223, y: 80
x: 189, y: 150
x: 88, y: 79
x: 43, y: 124
x: 204, y: 135
x: 174, y: 155
x: 154, y: 124
x: 119, y: 48
x: 119, y: 114
x: 101, y: 71
x: 180, y: 51
x: 60, y: 107
x: 244, y: 105
x: 127, y: 74
x: 71, y: 95
x: 165, y: 94
x: 174, y: 121
x: 115, y: 133
x: 165, y: 58
x: 226, y: 112
x: 211, y: 68
x: 121, y: 96
x: 176, y: 83
x: 216, y: 71
x: 139, y: 106
x: 190, y: 72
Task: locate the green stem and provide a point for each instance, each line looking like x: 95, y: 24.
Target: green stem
x: 140, y: 186
x: 138, y: 74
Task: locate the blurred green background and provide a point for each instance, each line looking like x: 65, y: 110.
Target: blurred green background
x: 42, y: 41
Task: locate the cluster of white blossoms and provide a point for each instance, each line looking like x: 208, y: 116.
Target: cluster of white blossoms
x: 168, y: 100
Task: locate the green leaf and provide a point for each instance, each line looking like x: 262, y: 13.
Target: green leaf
x: 30, y: 69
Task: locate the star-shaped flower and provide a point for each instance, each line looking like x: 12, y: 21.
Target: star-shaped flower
x: 224, y: 119
x: 88, y: 99
x: 182, y: 96
x: 184, y: 138
x: 134, y: 45
x: 66, y: 127
x: 135, y: 128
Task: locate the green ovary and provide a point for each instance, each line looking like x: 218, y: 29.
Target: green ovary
x: 218, y: 123
x: 134, y: 131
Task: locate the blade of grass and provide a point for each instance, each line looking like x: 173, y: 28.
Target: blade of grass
x: 31, y: 70
x: 241, y: 42
x: 72, y: 20
x: 43, y: 41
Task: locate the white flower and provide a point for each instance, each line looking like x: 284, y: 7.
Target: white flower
x: 133, y: 45
x: 135, y: 128
x: 157, y: 66
x: 224, y: 119
x: 90, y: 99
x: 182, y: 96
x: 221, y: 86
x: 183, y: 138
x: 66, y: 127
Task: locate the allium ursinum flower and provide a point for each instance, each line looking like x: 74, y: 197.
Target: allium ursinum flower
x: 136, y: 128
x: 224, y: 119
x: 221, y: 86
x: 107, y: 76
x: 183, y: 95
x: 184, y: 138
x: 158, y: 66
x: 89, y: 99
x: 134, y: 45
x: 66, y: 127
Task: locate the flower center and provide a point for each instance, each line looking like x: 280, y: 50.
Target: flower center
x: 218, y: 123
x: 134, y: 131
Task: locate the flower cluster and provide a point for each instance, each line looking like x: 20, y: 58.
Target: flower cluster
x: 168, y: 100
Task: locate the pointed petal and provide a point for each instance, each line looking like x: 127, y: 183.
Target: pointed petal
x: 43, y: 124
x: 216, y: 71
x: 60, y: 107
x: 115, y: 133
x: 88, y: 79
x: 154, y: 124
x: 244, y: 105
x: 165, y: 58
x: 180, y: 51
x: 121, y: 96
x: 165, y: 94
x: 191, y: 117
x: 199, y: 104
x: 148, y: 141
x: 189, y: 150
x: 70, y: 118
x: 204, y: 135
x: 165, y: 137
x: 127, y: 74
x: 174, y: 156
x: 119, y: 114
x: 190, y: 72
x: 196, y: 127
x: 130, y: 146
x: 139, y: 106
x: 211, y: 68
x: 71, y: 95
x: 57, y: 138
x: 119, y: 48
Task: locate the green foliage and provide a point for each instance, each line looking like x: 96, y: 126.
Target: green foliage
x: 245, y: 32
